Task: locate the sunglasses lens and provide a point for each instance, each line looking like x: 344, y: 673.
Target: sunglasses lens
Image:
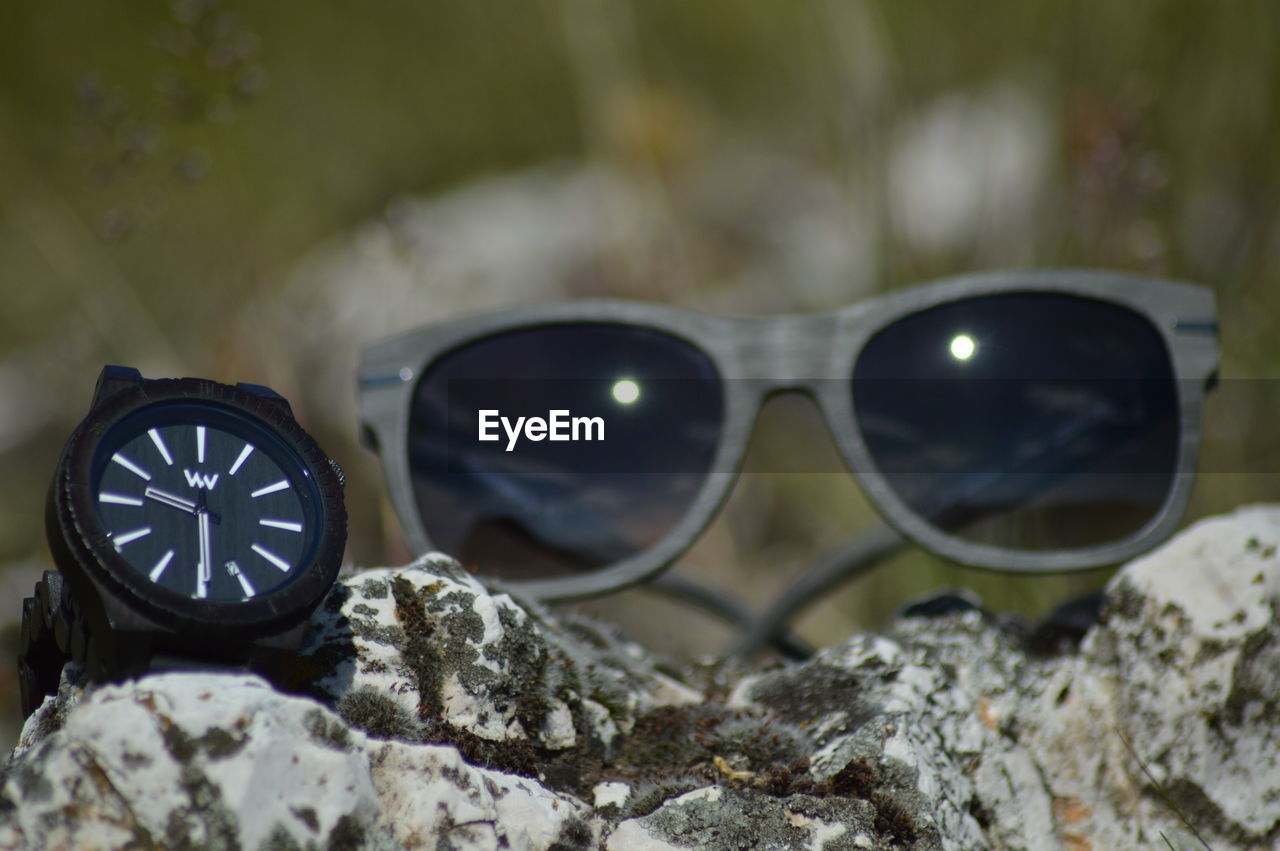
x: 561, y: 448
x: 1030, y: 421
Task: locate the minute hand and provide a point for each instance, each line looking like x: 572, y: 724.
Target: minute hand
x: 204, y: 571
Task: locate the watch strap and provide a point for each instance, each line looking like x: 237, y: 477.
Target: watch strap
x: 41, y: 657
x: 54, y: 632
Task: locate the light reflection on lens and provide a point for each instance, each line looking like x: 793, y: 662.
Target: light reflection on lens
x: 963, y: 347
x: 626, y: 391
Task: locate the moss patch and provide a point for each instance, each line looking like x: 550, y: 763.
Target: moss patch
x: 327, y: 731
x: 378, y: 715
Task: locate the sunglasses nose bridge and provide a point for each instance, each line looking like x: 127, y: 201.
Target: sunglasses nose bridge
x: 787, y: 353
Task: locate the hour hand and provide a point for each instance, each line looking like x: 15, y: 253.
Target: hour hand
x: 166, y: 498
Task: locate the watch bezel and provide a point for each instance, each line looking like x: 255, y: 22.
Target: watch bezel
x: 92, y: 550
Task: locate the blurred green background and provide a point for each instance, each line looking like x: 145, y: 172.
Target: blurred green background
x: 249, y: 190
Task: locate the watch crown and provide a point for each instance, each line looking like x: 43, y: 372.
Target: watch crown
x: 337, y: 471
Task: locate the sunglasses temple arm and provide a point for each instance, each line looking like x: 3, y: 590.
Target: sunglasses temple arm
x: 723, y: 606
x: 852, y: 558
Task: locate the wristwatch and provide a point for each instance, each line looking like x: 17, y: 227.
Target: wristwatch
x: 193, y: 524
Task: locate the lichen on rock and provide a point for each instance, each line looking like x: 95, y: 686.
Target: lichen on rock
x: 442, y: 713
x: 427, y: 652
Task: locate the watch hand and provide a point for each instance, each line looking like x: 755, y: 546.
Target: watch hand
x: 166, y: 498
x: 204, y: 571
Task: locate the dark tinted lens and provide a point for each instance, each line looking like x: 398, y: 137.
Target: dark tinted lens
x: 1028, y: 421
x: 630, y: 422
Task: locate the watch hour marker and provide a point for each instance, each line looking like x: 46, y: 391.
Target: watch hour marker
x: 131, y: 467
x: 272, y: 488
x: 161, y: 565
x: 129, y: 537
x: 244, y: 453
x: 159, y: 442
x: 119, y: 498
x: 280, y: 524
x: 271, y: 557
x: 200, y: 444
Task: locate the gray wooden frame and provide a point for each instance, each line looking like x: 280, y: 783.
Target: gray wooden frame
x: 760, y: 356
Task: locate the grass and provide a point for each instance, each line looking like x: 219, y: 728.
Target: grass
x: 1162, y: 793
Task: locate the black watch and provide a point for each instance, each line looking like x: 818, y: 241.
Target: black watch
x: 193, y: 524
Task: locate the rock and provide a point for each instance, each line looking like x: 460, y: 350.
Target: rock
x: 444, y: 714
x: 427, y: 651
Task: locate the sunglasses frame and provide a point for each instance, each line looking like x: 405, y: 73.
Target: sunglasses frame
x: 758, y: 357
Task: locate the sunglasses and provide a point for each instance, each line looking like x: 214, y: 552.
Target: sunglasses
x: 1024, y: 421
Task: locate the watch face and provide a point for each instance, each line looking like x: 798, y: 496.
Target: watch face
x: 206, y: 502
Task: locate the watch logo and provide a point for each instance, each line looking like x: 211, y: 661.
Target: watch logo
x: 198, y: 480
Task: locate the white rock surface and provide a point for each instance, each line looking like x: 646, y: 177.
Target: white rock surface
x: 445, y: 715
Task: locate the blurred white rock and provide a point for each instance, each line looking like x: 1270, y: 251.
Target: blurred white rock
x: 970, y: 171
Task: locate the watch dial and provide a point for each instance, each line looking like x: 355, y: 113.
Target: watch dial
x: 205, y: 502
